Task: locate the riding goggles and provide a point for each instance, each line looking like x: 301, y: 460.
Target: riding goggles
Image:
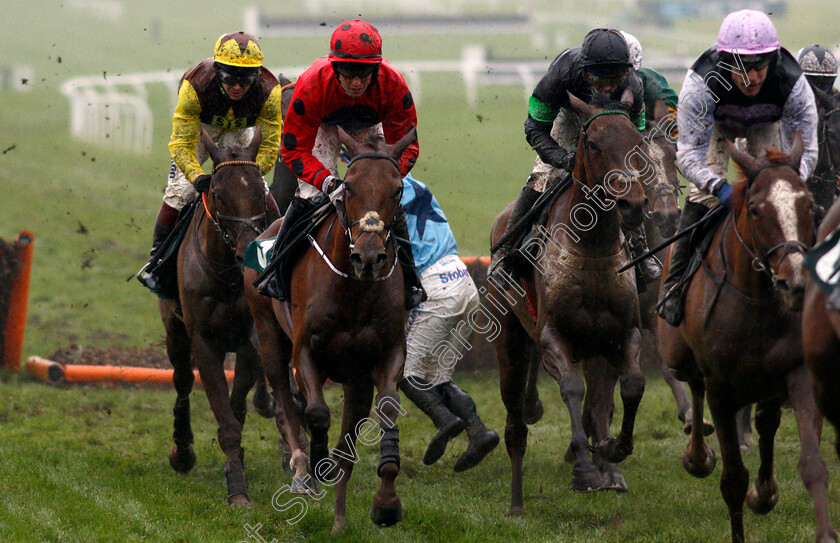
x: 230, y: 75
x: 756, y: 62
x: 350, y: 70
x: 596, y: 81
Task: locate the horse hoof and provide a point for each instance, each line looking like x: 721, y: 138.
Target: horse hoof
x: 613, y: 480
x: 589, y: 481
x: 182, y: 459
x: 239, y: 500
x: 304, y: 485
x: 614, y: 450
x: 533, y: 413
x: 515, y: 511
x: 338, y: 526
x: 762, y: 505
x: 701, y: 469
x: 264, y: 405
x: 386, y: 516
x: 744, y: 448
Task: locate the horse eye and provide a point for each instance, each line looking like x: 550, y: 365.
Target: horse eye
x: 753, y: 212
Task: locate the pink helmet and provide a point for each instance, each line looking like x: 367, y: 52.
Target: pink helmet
x: 749, y: 32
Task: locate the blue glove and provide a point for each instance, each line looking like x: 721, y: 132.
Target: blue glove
x: 721, y: 189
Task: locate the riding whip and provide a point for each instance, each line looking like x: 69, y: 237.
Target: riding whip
x: 714, y: 213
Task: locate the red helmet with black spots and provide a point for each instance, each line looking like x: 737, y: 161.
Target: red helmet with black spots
x: 356, y: 41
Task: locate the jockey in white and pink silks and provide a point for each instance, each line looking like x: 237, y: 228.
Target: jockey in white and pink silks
x: 746, y: 86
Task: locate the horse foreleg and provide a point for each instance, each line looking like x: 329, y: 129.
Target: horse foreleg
x: 316, y: 414
x: 764, y: 492
x: 357, y: 398
x: 811, y: 466
x: 513, y: 379
x: 735, y: 477
x: 699, y: 460
x: 632, y: 390
x: 211, y: 369
x: 386, y: 509
x: 598, y: 409
x: 275, y: 349
x: 557, y: 361
x: 182, y: 455
x: 247, y: 370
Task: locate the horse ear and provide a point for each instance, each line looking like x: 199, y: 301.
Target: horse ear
x: 748, y: 164
x: 210, y: 146
x: 822, y: 98
x: 397, y: 149
x: 254, y: 146
x: 582, y: 108
x: 796, y: 151
x: 351, y: 144
x: 627, y: 98
x: 660, y: 110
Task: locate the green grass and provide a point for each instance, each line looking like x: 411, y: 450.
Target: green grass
x: 90, y: 464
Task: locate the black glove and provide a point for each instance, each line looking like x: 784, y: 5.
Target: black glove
x: 202, y: 183
x: 330, y: 184
x: 568, y: 163
x: 539, y: 137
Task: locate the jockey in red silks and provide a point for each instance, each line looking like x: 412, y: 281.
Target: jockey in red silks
x: 356, y: 89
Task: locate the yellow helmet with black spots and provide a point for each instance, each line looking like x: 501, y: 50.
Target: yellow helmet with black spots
x: 238, y: 49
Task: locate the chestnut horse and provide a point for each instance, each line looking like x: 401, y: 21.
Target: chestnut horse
x: 216, y: 319
x: 346, y: 324
x: 820, y: 333
x: 741, y: 342
x: 583, y: 310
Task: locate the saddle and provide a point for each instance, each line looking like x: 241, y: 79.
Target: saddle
x: 700, y: 240
x: 280, y: 256
x: 164, y: 264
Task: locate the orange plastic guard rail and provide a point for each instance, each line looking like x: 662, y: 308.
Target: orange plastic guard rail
x: 18, y: 300
x: 470, y: 259
x: 57, y: 374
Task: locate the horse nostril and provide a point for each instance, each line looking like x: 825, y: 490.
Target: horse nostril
x: 782, y: 285
x: 356, y: 260
x: 380, y: 259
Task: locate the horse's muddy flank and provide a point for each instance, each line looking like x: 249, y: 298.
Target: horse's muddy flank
x: 327, y: 469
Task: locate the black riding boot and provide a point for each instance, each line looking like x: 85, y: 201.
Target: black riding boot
x: 269, y: 286
x: 164, y: 225
x: 649, y: 269
x: 524, y: 202
x: 415, y: 294
x: 430, y: 401
x: 669, y: 306
x: 482, y: 440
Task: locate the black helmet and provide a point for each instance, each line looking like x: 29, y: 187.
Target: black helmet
x: 604, y: 53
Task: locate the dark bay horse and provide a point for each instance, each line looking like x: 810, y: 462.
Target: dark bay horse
x: 824, y: 180
x: 216, y: 319
x: 741, y: 343
x: 346, y: 323
x: 580, y: 309
x: 820, y: 338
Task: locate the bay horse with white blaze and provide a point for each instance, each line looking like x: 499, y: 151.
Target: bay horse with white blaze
x: 740, y: 341
x: 346, y: 324
x: 584, y: 310
x: 216, y: 319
